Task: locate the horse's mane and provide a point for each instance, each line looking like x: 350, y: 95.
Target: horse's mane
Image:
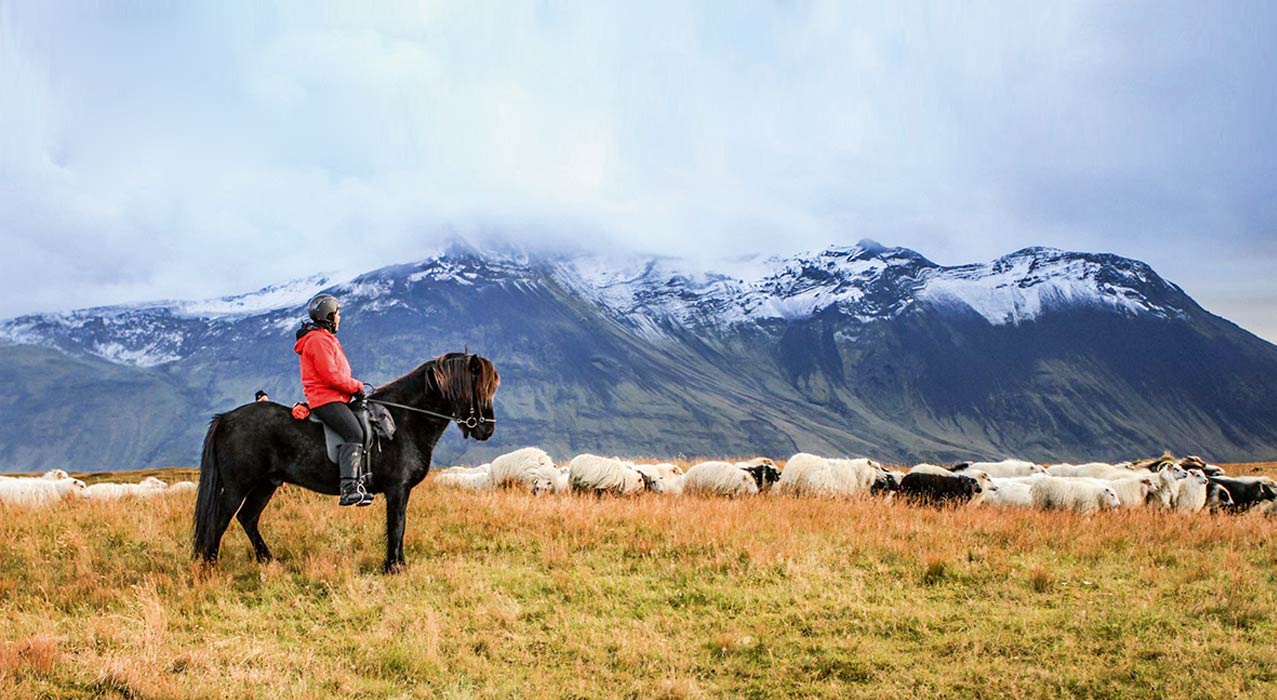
x: 451, y: 373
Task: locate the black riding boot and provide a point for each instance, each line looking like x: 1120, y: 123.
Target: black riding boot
x: 349, y: 458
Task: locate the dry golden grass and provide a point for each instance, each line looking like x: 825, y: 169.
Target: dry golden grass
x: 512, y: 596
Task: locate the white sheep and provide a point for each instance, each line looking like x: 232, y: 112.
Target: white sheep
x: 1132, y: 489
x: 182, y: 487
x: 466, y: 478
x: 25, y: 491
x: 528, y: 469
x: 1098, y: 470
x: 1190, y: 493
x: 719, y: 479
x: 561, y: 480
x: 1005, y: 468
x: 761, y: 470
x: 1165, y: 485
x: 106, y: 491
x: 809, y: 475
x: 55, y: 475
x: 666, y: 478
x: 593, y: 474
x: 1081, y: 495
x: 1010, y: 493
x: 929, y: 469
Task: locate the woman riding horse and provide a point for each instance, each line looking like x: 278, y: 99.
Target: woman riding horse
x: 249, y: 451
x: 329, y: 387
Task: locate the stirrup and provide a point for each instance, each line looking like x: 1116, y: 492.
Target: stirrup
x: 354, y: 496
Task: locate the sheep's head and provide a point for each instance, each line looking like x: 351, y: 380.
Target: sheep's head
x: 1217, y: 496
x: 1111, y: 499
x: 970, y: 486
x: 151, y: 482
x: 982, y: 478
x: 884, y: 483
x: 542, y: 484
x: 1146, y: 486
x: 650, y: 483
x: 765, y: 474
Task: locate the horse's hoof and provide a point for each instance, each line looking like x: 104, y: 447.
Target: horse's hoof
x: 393, y: 567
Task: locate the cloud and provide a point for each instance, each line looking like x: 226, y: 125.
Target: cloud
x: 190, y: 150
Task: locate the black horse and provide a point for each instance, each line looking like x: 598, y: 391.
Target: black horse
x: 251, y: 450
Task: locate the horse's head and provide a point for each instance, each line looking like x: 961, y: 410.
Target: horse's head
x: 468, y: 383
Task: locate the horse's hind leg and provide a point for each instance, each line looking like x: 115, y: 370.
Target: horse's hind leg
x: 250, y: 512
x: 209, y: 547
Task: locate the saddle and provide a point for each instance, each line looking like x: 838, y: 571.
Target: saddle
x: 376, y: 421
x: 332, y: 439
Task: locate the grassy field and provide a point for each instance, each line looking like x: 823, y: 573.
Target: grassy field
x: 511, y: 596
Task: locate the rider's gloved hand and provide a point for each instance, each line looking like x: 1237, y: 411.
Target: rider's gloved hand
x: 359, y: 395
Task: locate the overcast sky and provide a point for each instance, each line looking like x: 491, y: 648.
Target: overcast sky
x: 185, y: 150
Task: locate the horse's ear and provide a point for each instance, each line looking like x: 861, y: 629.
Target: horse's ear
x: 476, y: 365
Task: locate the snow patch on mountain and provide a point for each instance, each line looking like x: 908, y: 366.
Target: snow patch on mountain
x: 287, y: 295
x: 149, y: 355
x: 1022, y: 286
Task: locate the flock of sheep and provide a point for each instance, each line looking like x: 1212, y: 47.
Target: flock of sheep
x: 57, y: 485
x: 1184, y: 485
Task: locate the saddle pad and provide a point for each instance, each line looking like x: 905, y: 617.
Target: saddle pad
x: 331, y: 437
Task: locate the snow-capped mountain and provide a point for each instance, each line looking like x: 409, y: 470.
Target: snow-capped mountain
x: 867, y: 282
x: 870, y: 282
x: 860, y: 349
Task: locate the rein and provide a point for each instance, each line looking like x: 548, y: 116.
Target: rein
x: 472, y: 422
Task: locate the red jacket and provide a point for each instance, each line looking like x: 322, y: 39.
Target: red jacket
x: 325, y: 371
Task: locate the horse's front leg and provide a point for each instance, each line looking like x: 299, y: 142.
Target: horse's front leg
x: 396, y: 513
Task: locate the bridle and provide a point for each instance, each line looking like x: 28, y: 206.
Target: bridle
x: 470, y: 422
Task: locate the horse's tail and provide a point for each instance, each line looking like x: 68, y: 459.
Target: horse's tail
x: 208, y: 499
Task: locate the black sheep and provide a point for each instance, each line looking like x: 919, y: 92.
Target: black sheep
x: 939, y: 490
x: 1245, y: 492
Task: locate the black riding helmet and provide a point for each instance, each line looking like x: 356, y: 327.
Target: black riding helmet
x: 322, y: 308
